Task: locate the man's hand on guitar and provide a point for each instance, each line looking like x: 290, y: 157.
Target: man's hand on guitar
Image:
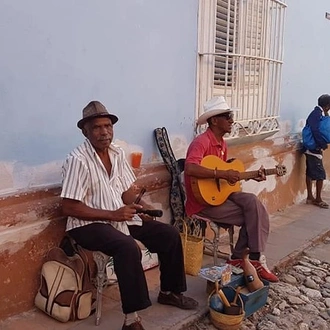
x: 261, y: 174
x: 232, y: 176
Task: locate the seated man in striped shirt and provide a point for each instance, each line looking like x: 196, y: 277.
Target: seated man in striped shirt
x: 98, y: 198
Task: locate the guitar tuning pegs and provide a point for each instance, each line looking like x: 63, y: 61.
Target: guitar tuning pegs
x: 280, y: 170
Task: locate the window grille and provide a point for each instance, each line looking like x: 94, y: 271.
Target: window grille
x: 240, y: 58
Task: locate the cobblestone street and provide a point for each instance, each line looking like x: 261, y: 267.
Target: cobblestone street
x: 300, y: 301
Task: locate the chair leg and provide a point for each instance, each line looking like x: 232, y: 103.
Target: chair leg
x: 211, y: 247
x: 231, y: 238
x: 216, y: 238
x: 101, y: 280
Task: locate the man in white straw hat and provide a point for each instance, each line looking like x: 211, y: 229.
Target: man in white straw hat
x: 240, y: 209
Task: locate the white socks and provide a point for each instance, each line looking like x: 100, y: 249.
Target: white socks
x: 165, y: 292
x: 131, y: 318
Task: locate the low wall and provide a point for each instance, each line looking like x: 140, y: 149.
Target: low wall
x: 277, y: 192
x: 31, y: 222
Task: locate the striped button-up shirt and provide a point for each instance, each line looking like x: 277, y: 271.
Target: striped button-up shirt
x: 85, y: 179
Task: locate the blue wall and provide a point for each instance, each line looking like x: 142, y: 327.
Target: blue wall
x: 306, y: 68
x: 137, y: 57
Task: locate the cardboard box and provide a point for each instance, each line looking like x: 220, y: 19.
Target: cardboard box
x: 252, y: 300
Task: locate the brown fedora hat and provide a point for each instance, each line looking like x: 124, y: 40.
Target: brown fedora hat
x: 95, y: 109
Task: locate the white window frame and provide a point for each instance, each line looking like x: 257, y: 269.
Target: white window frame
x: 247, y: 56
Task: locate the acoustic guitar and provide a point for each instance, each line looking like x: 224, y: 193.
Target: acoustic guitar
x: 216, y: 191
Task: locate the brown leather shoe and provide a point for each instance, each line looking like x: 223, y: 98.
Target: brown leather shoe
x: 133, y: 326
x: 177, y: 300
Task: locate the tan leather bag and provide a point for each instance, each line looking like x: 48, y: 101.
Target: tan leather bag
x: 61, y: 294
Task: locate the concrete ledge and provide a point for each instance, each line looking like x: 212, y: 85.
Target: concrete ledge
x: 287, y: 261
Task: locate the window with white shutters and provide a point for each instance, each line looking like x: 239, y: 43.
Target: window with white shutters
x: 226, y: 27
x: 240, y: 58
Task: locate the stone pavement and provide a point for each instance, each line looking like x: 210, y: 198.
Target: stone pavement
x: 292, y: 231
x: 300, y: 301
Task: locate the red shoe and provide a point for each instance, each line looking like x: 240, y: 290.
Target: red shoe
x: 260, y: 265
x: 235, y: 262
x: 263, y: 271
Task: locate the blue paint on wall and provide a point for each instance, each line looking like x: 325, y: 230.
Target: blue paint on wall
x: 137, y: 57
x: 306, y: 68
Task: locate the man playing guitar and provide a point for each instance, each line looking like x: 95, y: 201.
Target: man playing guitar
x: 240, y: 208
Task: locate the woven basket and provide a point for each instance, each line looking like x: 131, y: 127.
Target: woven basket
x: 192, y: 251
x: 225, y: 321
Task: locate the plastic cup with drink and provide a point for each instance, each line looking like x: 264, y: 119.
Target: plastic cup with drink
x: 136, y: 158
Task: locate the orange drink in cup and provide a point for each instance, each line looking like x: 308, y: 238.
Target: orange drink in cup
x: 136, y: 159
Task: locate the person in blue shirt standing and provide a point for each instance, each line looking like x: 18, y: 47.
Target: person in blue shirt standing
x: 314, y: 158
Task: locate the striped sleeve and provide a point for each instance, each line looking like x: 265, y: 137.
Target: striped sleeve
x: 75, y: 179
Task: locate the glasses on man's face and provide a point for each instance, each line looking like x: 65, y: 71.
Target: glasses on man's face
x: 227, y: 115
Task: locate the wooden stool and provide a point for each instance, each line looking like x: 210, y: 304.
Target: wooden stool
x: 216, y: 228
x: 211, y: 247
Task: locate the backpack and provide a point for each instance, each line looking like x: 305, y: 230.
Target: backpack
x: 307, y: 136
x: 64, y: 292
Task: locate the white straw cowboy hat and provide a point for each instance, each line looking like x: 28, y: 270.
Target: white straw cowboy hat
x: 95, y: 109
x: 215, y: 106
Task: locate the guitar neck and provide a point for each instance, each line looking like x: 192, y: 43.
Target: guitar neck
x: 254, y: 174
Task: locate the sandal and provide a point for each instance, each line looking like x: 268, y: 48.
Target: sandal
x: 321, y: 204
x: 177, y: 300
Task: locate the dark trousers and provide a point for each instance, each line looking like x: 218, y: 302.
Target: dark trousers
x: 159, y: 238
x: 314, y: 168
